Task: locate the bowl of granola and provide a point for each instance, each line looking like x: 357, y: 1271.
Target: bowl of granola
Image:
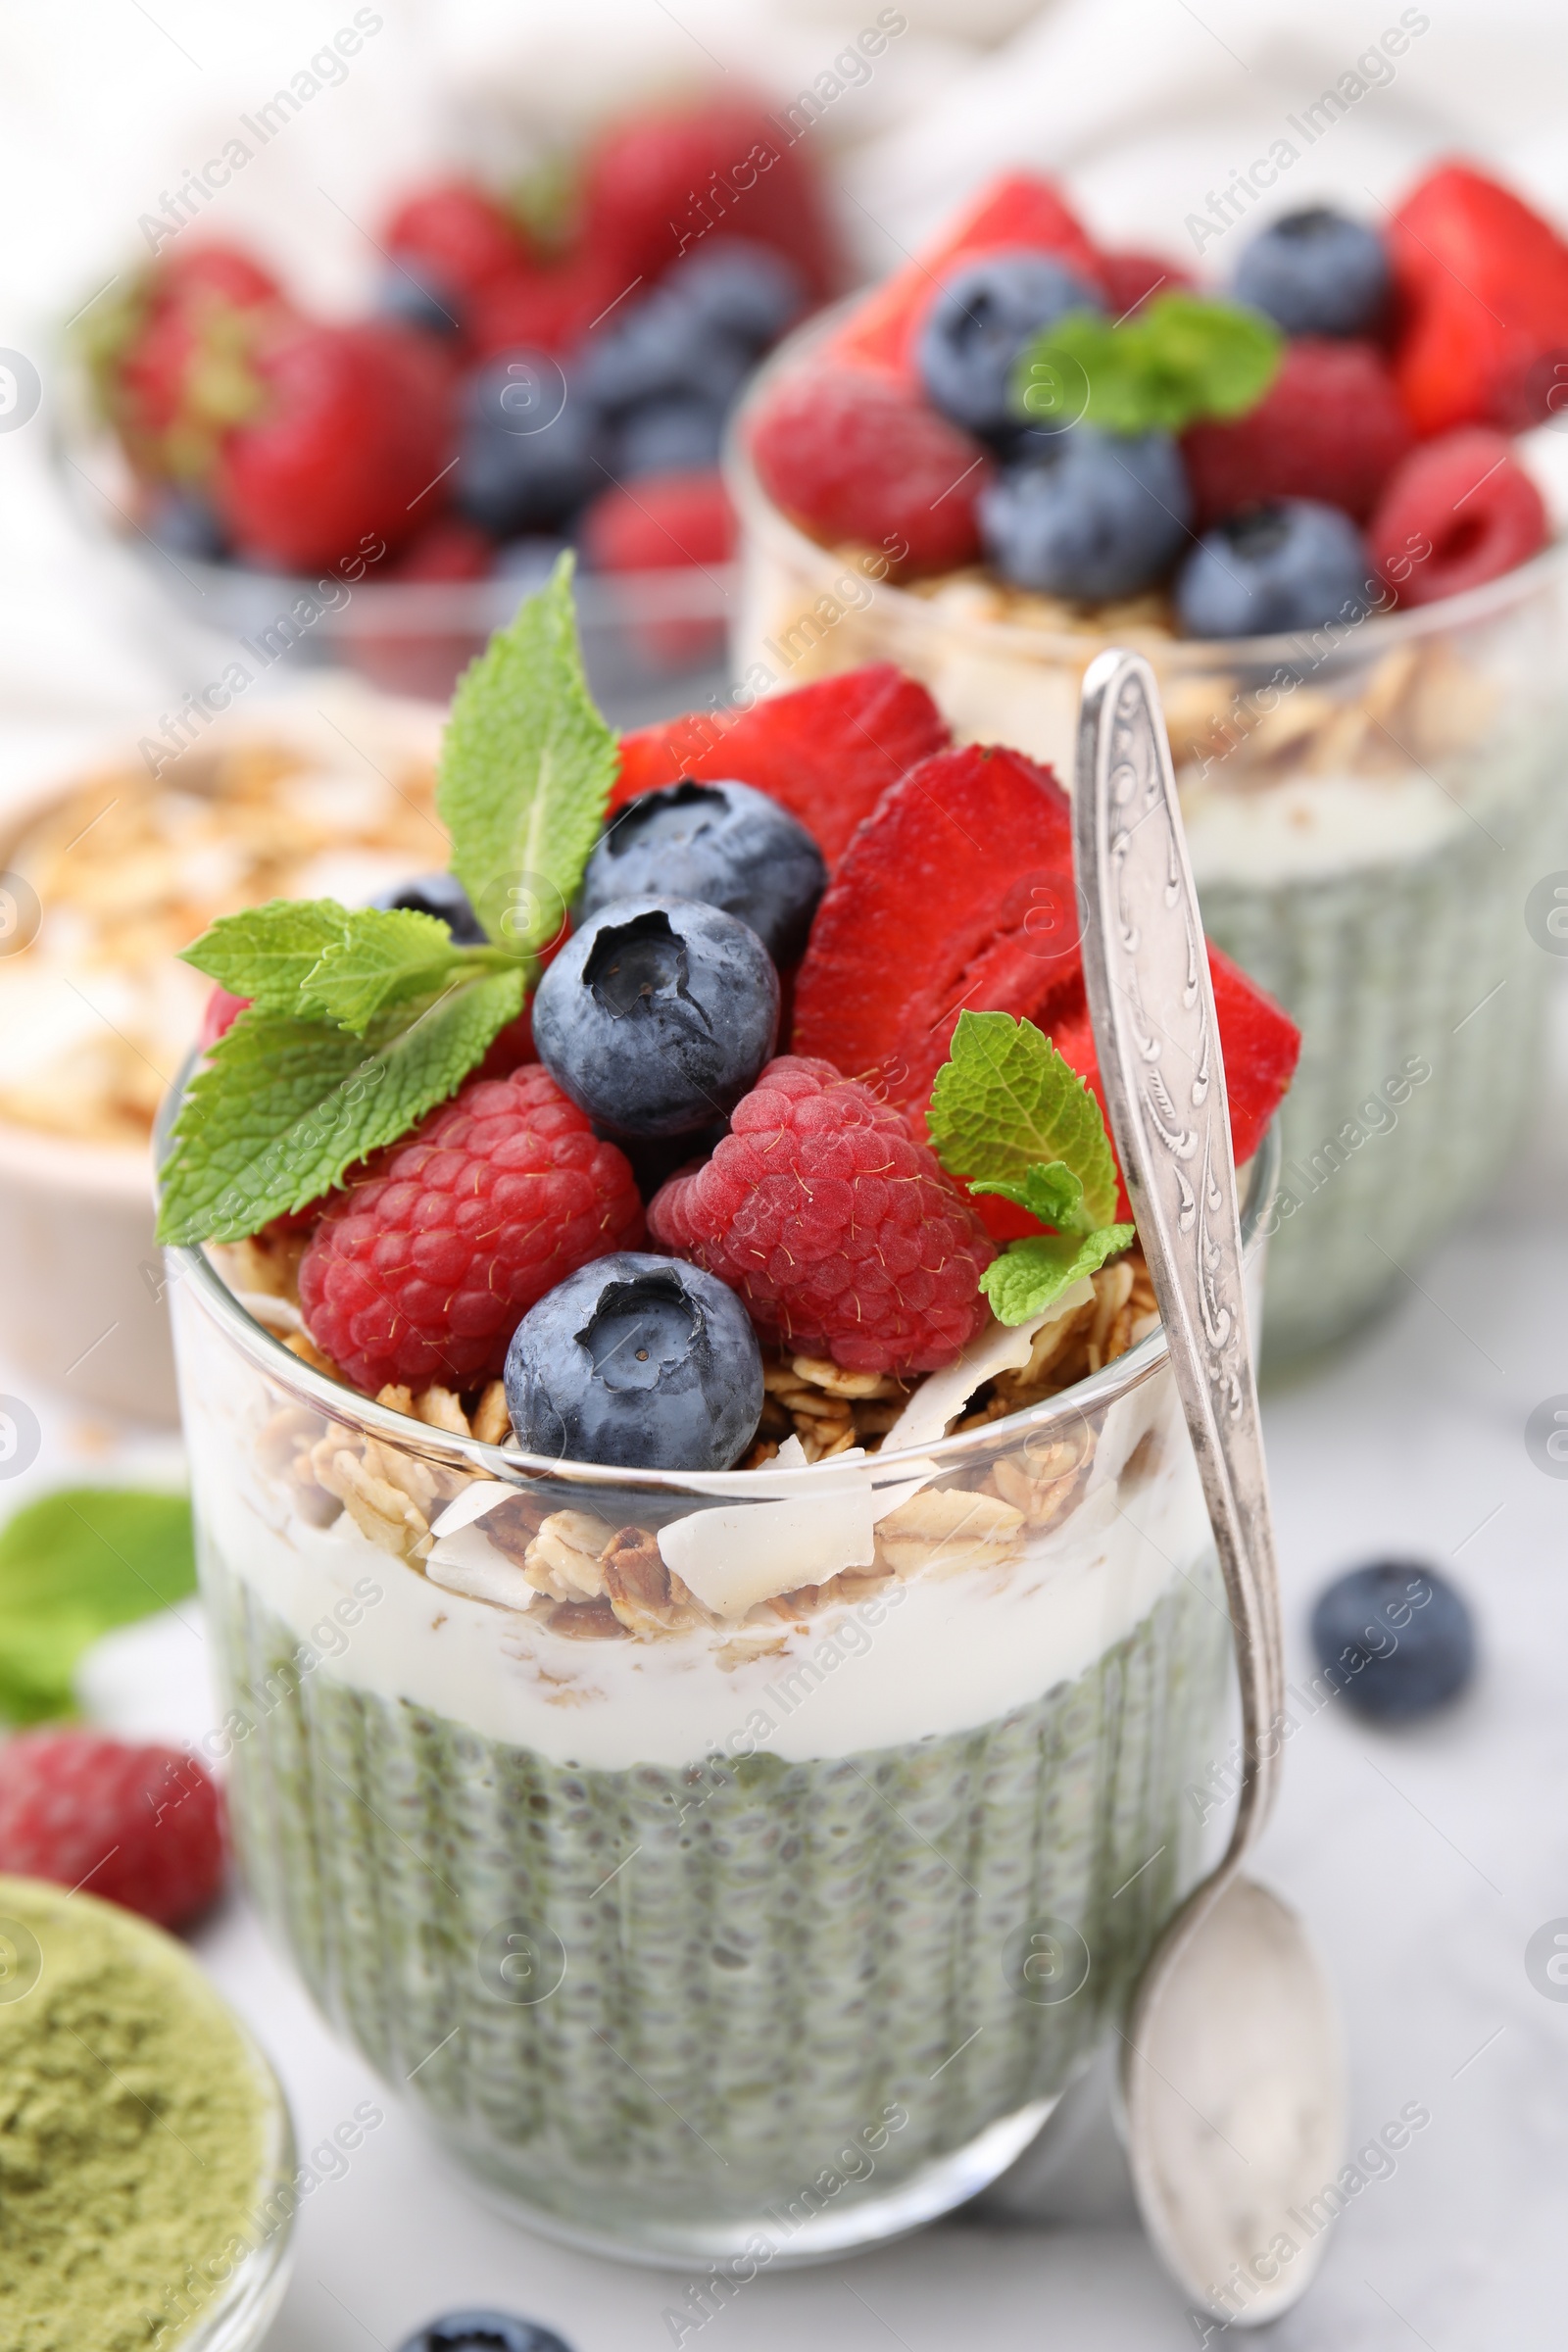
x: 1309, y: 504
x: 107, y: 874
x: 716, y: 1605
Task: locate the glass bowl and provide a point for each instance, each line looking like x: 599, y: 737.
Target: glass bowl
x: 731, y: 1868
x: 1367, y: 808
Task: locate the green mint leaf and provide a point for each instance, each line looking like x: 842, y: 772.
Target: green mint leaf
x: 1023, y: 1281
x: 282, y: 1106
x: 1049, y: 1191
x: 73, y: 1567
x: 269, y: 953
x: 1006, y: 1103
x: 1175, y: 359
x: 526, y: 769
x: 383, y: 953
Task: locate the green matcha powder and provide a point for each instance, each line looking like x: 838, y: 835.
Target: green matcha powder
x: 134, y: 2131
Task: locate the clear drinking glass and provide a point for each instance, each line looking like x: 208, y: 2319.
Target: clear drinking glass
x: 1367, y: 808
x: 728, y: 1929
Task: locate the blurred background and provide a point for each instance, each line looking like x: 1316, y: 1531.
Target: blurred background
x: 1425, y: 1862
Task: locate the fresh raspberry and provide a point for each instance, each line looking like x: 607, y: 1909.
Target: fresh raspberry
x: 839, y: 1230
x: 140, y: 1826
x: 1483, y: 296
x: 423, y: 1268
x: 853, y: 456
x: 459, y: 234
x: 352, y: 426
x: 827, y: 752
x: 1329, y: 427
x: 1460, y: 510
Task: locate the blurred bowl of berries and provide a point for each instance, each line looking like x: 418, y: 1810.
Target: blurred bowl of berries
x: 379, y: 492
x: 1317, y: 494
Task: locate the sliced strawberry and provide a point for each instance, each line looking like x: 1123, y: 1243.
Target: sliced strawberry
x: 1017, y: 209
x: 827, y: 752
x: 959, y: 894
x: 1260, y: 1044
x: 958, y: 891
x: 661, y: 522
x: 1482, y: 285
x: 1130, y: 278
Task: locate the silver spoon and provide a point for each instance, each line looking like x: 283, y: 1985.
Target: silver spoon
x: 1232, y: 2075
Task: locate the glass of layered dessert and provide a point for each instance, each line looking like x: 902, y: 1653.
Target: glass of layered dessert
x: 715, y: 1601
x: 1303, y: 505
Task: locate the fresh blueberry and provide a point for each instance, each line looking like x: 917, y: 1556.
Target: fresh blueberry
x: 658, y: 1014
x: 743, y: 289
x: 444, y: 896
x: 1396, y: 1638
x: 660, y: 350
x: 416, y: 296
x: 1092, y: 515
x: 641, y: 1361
x: 722, y: 842
x: 1316, y: 272
x: 1293, y: 565
x: 669, y: 436
x: 980, y: 321
x: 484, y: 2332
x: 514, y: 472
x: 185, y: 524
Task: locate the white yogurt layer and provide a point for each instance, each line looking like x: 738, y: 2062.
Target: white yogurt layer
x: 1306, y: 827
x: 935, y: 1653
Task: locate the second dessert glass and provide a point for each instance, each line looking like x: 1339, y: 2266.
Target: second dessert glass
x: 740, y: 1912
x: 1367, y: 808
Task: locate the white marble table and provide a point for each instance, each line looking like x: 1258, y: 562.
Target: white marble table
x: 1424, y: 1859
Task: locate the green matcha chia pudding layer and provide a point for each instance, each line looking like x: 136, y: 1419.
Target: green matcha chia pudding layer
x: 771, y: 1904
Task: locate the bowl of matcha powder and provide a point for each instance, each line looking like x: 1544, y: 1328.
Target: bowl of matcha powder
x: 146, y: 2157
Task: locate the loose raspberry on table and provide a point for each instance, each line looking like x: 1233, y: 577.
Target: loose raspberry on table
x: 423, y: 1268
x: 839, y: 1230
x: 138, y: 1826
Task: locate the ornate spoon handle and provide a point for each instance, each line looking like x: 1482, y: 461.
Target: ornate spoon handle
x: 1152, y: 1009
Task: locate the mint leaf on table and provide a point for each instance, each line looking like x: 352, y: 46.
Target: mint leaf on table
x: 73, y: 1567
x: 1177, y: 359
x: 284, y: 1105
x: 268, y: 953
x: 1009, y: 1115
x: 527, y: 765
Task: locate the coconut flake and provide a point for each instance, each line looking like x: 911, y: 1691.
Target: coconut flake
x: 480, y: 1497
x: 468, y: 1562
x: 1000, y: 1348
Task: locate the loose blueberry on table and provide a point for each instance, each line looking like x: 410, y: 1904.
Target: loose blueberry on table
x: 484, y: 2332
x: 587, y: 1176
x: 1397, y: 1637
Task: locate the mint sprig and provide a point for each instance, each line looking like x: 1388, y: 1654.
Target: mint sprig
x: 72, y: 1566
x: 527, y: 765
x: 1009, y: 1115
x: 361, y: 1019
x: 1177, y: 359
